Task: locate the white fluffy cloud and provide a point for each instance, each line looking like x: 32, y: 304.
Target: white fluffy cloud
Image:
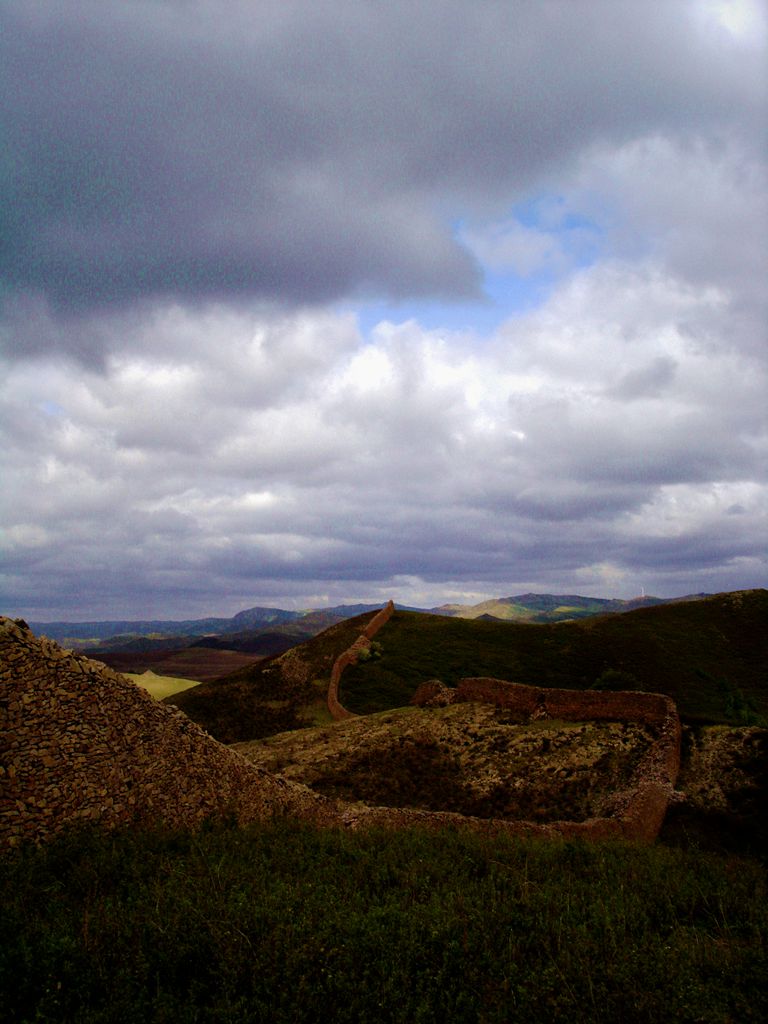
x: 593, y: 435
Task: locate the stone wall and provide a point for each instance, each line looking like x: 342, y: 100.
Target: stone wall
x: 79, y: 743
x: 350, y: 656
x: 379, y: 619
x: 639, y: 811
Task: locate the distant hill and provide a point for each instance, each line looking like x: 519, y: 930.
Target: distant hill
x: 265, y: 643
x: 552, y: 607
x: 284, y: 692
x: 118, y: 630
x: 130, y: 634
x: 115, y: 634
x: 708, y: 654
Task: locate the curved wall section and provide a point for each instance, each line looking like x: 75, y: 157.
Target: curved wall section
x: 643, y: 805
x: 349, y: 657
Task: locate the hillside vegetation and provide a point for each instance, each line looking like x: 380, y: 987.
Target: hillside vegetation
x: 547, y: 607
x: 292, y: 925
x: 274, y: 695
x: 471, y: 759
x: 709, y: 655
x: 287, y: 922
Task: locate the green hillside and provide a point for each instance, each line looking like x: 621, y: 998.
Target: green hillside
x: 273, y: 695
x: 710, y: 655
x: 548, y: 607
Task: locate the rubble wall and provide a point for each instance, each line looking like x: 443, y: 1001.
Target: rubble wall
x: 80, y: 743
x: 641, y: 808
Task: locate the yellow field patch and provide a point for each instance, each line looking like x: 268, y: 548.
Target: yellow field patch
x: 160, y: 686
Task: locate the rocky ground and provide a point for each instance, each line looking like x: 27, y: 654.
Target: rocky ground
x: 468, y: 758
x: 473, y: 759
x: 723, y: 790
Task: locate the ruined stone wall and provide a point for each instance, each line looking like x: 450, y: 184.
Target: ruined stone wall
x: 379, y: 619
x: 638, y: 811
x: 349, y: 657
x: 634, y: 705
x: 80, y: 743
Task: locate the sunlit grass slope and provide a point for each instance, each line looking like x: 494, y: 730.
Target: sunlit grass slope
x: 274, y: 695
x: 160, y: 686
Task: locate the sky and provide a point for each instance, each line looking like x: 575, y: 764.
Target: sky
x: 313, y: 301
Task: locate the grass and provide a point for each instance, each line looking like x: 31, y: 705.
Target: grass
x: 316, y: 713
x: 235, y: 707
x: 287, y: 924
x: 160, y: 686
x: 708, y: 655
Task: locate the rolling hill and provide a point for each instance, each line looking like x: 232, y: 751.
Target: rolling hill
x: 709, y: 655
x: 113, y: 634
x: 117, y: 634
x: 551, y: 607
x: 284, y: 692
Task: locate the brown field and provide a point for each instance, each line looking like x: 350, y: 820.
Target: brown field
x: 199, y: 663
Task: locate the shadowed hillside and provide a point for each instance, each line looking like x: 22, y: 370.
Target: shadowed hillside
x: 709, y: 655
x: 275, y: 695
x: 81, y: 743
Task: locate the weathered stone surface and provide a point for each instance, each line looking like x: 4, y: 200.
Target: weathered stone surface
x: 639, y: 809
x: 81, y: 742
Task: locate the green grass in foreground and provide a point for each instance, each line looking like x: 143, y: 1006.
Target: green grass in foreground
x: 287, y: 924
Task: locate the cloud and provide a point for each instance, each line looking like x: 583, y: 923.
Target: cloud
x: 199, y: 206
x: 415, y: 453
x: 309, y: 151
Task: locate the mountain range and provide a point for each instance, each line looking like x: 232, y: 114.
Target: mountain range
x: 518, y: 608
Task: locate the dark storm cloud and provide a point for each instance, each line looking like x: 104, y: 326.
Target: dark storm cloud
x: 304, y: 151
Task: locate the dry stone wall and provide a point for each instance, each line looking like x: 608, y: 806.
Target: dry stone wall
x: 81, y: 743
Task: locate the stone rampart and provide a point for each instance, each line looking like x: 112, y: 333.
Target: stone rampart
x: 634, y: 705
x: 380, y: 619
x: 639, y: 810
x: 349, y: 657
x: 81, y: 743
